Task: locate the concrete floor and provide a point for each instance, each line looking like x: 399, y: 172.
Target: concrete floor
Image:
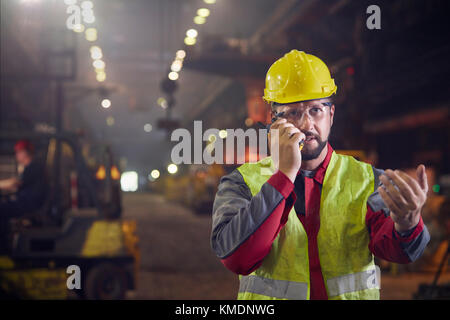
x: 176, y: 259
x: 178, y: 263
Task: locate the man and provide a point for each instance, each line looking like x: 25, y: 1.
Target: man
x: 310, y: 230
x: 29, y: 188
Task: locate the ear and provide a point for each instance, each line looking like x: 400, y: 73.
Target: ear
x: 332, y: 109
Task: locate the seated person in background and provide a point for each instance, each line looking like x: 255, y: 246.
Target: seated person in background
x: 29, y: 188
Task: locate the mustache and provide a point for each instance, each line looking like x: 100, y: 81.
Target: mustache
x: 310, y: 134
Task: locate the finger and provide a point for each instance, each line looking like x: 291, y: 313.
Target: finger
x: 412, y: 183
x: 275, y: 129
x: 290, y: 131
x: 277, y: 123
x: 297, y: 137
x: 394, y: 194
x: 283, y: 127
x: 419, y: 193
x: 279, y: 130
x: 388, y: 201
x: 406, y: 191
x: 422, y: 177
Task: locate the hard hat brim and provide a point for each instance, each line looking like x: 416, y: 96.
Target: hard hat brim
x: 299, y: 98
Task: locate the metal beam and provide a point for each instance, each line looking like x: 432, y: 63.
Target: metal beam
x: 411, y: 120
x: 276, y: 23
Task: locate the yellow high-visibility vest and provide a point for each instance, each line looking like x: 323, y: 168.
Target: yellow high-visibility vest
x: 347, y: 264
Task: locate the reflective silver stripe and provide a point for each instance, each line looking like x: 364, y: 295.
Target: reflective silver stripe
x: 369, y: 279
x: 281, y: 289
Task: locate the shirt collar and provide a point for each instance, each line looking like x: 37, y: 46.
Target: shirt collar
x: 320, y: 171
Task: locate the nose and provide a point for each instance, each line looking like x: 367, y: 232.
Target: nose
x: 305, y: 123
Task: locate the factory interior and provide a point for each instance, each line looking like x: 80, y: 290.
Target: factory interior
x: 97, y: 90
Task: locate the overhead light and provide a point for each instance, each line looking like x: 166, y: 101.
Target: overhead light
x: 162, y: 102
x: 70, y: 2
x: 210, y: 1
x: 203, y: 12
x: 91, y: 34
x: 223, y: 134
x: 155, y: 174
x: 110, y: 121
x: 99, y: 64
x: 78, y: 28
x: 192, y: 33
x: 199, y: 20
x: 96, y: 55
x: 106, y: 103
x: 101, y: 76
x: 189, y: 41
x: 176, y: 66
x: 96, y: 52
x: 173, y: 75
x: 95, y: 49
x: 148, y: 127
x: 172, y: 168
x: 212, y: 138
x: 181, y: 54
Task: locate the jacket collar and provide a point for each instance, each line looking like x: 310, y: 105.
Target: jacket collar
x: 319, y: 173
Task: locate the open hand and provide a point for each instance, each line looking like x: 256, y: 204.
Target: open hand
x: 406, y: 201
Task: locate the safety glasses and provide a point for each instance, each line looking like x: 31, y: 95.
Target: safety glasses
x: 315, y: 112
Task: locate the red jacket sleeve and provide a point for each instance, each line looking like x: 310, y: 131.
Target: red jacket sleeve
x: 251, y: 253
x: 388, y: 244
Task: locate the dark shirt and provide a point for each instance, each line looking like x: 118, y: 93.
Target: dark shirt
x: 33, y: 186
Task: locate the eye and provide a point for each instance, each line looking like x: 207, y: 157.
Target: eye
x: 292, y: 113
x: 315, y: 109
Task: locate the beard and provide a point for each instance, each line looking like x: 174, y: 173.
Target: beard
x: 313, y: 154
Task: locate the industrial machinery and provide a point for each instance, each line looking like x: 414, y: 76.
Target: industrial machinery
x: 434, y: 290
x: 79, y: 225
x: 195, y: 189
x: 440, y: 258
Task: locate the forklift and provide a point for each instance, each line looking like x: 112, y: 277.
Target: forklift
x: 79, y: 225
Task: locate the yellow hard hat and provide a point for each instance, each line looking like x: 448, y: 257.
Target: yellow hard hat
x: 298, y: 76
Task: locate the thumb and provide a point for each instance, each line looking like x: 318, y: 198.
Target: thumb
x: 422, y: 177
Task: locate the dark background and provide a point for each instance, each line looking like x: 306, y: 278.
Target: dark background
x: 392, y: 103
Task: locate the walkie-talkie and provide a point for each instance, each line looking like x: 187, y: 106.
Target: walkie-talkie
x: 275, y: 118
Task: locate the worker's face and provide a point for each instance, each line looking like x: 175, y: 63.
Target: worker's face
x: 313, y: 119
x: 22, y: 157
